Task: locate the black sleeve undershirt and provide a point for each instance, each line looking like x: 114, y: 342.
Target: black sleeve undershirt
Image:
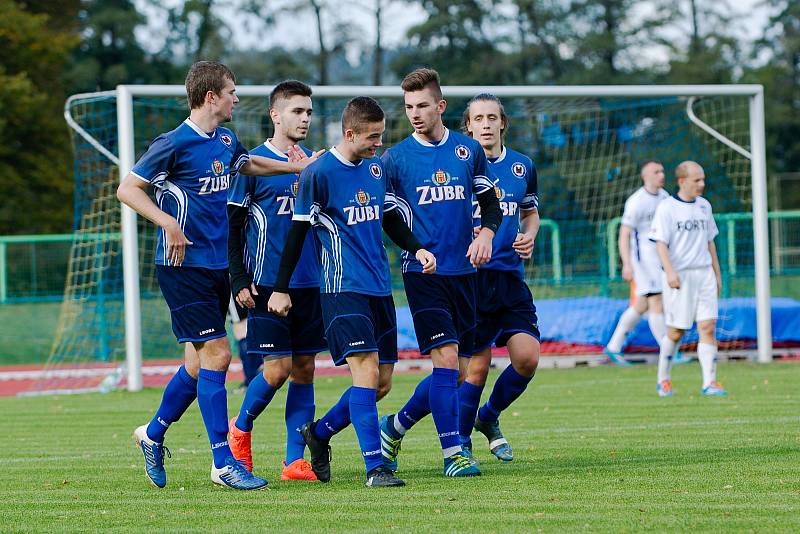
x: 237, y: 217
x: 400, y: 234
x: 291, y: 255
x: 491, y: 215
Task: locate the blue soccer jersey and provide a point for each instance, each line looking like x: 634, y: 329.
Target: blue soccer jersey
x: 345, y: 202
x: 434, y: 185
x: 270, y: 203
x: 516, y: 186
x: 191, y: 171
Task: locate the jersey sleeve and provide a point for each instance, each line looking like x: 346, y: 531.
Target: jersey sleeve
x: 480, y: 174
x: 311, y: 196
x: 156, y: 163
x: 660, y: 227
x: 629, y: 216
x: 240, y: 154
x: 531, y: 199
x: 390, y: 200
x: 712, y: 229
x: 241, y: 191
x: 389, y: 169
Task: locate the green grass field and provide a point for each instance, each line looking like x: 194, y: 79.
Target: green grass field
x: 596, y: 450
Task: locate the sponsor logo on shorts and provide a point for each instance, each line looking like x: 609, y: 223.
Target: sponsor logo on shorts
x: 267, y: 346
x: 437, y: 336
x: 462, y: 152
x: 357, y: 343
x: 208, y: 331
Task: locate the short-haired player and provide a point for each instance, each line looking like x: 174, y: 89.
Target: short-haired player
x: 191, y: 167
x: 684, y: 230
x: 505, y: 308
x: 259, y: 216
x: 640, y: 263
x: 434, y: 173
x: 348, y: 199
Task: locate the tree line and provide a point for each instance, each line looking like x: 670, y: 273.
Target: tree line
x: 53, y: 50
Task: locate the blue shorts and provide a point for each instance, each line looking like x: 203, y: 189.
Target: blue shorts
x: 443, y: 310
x: 360, y: 323
x: 505, y: 308
x: 198, y: 301
x: 300, y: 332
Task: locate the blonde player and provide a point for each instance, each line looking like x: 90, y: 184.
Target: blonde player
x: 684, y: 231
x: 640, y: 263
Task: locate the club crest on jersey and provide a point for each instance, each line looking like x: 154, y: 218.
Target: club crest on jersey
x: 499, y: 193
x: 440, y: 177
x: 226, y: 139
x: 375, y: 171
x: 462, y: 152
x: 217, y: 167
x: 518, y: 170
x: 362, y: 197
x: 295, y: 185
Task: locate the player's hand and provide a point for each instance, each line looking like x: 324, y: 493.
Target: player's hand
x: 480, y: 250
x: 279, y: 303
x: 627, y: 273
x: 245, y: 297
x: 176, y: 243
x: 523, y: 244
x: 673, y: 280
x: 305, y: 162
x: 428, y: 261
x: 295, y: 154
x: 475, y: 231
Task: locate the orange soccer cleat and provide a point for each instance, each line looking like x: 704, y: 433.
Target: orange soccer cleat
x: 239, y: 442
x: 300, y: 469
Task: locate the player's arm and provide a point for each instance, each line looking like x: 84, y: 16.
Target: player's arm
x: 279, y: 302
x: 261, y: 166
x: 673, y: 279
x: 712, y: 249
x: 624, y: 245
x: 241, y: 282
x: 480, y: 250
x: 131, y: 192
x: 529, y: 229
x: 401, y: 235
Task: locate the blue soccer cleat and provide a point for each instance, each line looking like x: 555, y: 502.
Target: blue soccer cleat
x: 616, y: 358
x: 497, y: 443
x: 390, y: 442
x: 680, y: 358
x: 459, y: 465
x: 714, y: 389
x: 466, y: 450
x: 234, y: 475
x: 153, y: 456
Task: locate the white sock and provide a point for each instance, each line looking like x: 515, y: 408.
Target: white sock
x: 667, y: 351
x: 657, y: 326
x: 629, y: 319
x: 398, y: 427
x: 707, y: 354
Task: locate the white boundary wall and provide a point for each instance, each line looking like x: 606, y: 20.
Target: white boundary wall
x: 126, y: 93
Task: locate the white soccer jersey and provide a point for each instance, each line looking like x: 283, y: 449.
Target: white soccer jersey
x: 638, y: 216
x: 686, y: 228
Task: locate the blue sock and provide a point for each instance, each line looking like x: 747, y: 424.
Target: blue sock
x: 299, y: 409
x: 417, y: 406
x: 509, y: 386
x: 250, y: 362
x: 213, y: 401
x: 259, y: 395
x: 469, y: 397
x: 364, y: 415
x: 178, y: 396
x: 444, y: 408
x: 336, y: 419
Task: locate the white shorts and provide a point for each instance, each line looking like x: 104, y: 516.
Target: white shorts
x: 695, y: 300
x: 647, y: 277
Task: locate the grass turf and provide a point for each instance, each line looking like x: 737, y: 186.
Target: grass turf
x: 595, y: 450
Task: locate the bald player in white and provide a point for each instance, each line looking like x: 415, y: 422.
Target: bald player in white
x: 684, y: 230
x: 640, y: 263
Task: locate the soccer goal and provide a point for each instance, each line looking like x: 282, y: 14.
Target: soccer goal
x: 587, y: 143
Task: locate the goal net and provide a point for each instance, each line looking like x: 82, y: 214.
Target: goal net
x: 587, y: 146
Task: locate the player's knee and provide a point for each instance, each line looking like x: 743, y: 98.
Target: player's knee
x: 445, y: 356
x: 674, y: 334
x: 384, y: 387
x: 192, y: 367
x: 707, y: 330
x: 478, y: 370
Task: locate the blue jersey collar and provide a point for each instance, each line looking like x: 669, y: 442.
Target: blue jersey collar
x: 275, y: 150
x: 199, y: 131
x: 344, y: 160
x: 421, y: 141
x: 499, y: 158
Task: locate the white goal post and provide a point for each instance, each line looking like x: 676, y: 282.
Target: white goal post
x: 757, y: 155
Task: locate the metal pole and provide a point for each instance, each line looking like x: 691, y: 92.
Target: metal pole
x: 130, y: 245
x: 760, y: 230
